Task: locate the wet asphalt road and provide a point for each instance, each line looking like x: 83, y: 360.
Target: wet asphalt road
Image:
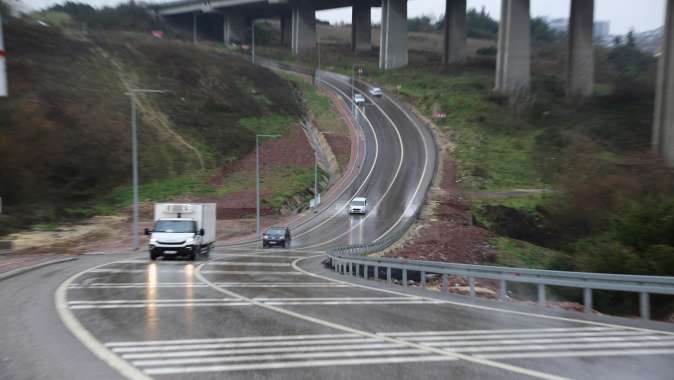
x: 251, y: 314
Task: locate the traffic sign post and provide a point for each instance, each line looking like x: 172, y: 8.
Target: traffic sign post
x: 3, y: 70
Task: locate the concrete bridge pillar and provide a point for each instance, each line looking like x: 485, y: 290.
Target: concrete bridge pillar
x: 513, y: 63
x: 303, y: 27
x: 580, y: 67
x: 663, y: 129
x: 455, y: 32
x: 235, y: 27
x: 393, y: 45
x: 361, y: 27
x: 286, y: 30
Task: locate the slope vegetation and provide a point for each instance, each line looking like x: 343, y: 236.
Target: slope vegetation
x: 65, y: 136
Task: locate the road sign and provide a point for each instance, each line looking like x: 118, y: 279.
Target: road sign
x: 3, y: 71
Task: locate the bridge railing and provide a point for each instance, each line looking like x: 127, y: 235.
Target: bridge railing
x: 348, y: 260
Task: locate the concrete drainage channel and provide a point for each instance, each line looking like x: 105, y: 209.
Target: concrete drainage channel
x: 348, y: 261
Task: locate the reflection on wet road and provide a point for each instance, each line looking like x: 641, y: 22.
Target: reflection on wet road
x: 255, y: 314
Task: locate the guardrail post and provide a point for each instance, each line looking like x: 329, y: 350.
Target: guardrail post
x: 541, y: 294
x: 471, y: 286
x: 423, y: 279
x: 645, y: 305
x: 503, y: 290
x: 405, y: 277
x: 376, y: 273
x: 445, y: 282
x: 357, y: 270
x: 349, y: 268
x: 587, y: 300
x: 388, y: 274
x: 365, y: 271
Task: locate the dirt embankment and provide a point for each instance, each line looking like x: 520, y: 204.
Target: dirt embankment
x: 444, y: 231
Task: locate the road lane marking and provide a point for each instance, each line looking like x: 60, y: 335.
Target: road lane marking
x: 265, y: 256
x: 245, y: 351
x: 495, y: 331
x: 248, y: 263
x: 339, y: 211
x: 430, y: 340
x: 293, y: 364
x: 441, y: 352
x: 278, y: 357
x: 384, y: 195
x: 207, y: 346
x: 86, y: 338
x: 214, y: 302
x: 142, y: 285
x: 568, y: 346
x: 252, y: 272
x: 566, y: 354
x: 234, y: 339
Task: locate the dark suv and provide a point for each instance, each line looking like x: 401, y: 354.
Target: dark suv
x: 276, y: 237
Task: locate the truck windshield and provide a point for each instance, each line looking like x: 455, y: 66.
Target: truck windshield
x: 176, y: 226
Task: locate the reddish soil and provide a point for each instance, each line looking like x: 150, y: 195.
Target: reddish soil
x: 448, y: 234
x: 290, y: 150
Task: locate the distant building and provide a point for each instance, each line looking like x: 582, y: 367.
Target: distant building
x: 602, y: 29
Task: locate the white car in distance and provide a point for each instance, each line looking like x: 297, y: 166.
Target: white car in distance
x: 376, y: 91
x: 359, y: 99
x: 358, y: 206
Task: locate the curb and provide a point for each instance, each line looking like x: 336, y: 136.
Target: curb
x: 18, y: 271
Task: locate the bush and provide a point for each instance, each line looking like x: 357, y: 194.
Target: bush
x: 127, y: 16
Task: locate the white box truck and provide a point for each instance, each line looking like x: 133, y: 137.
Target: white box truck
x: 184, y: 230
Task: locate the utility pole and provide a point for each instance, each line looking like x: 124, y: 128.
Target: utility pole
x: 257, y: 181
x: 3, y: 70
x: 134, y: 161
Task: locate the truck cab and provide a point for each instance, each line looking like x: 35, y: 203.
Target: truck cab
x: 182, y: 230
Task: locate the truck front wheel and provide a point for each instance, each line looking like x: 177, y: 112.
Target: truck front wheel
x: 153, y: 256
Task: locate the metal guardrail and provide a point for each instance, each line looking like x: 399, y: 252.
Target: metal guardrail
x: 346, y: 260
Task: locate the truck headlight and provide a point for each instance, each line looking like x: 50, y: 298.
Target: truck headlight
x: 153, y: 241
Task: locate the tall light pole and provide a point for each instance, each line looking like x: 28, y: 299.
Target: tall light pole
x: 134, y: 160
x: 257, y: 181
x: 316, y: 196
x: 3, y: 72
x: 253, y: 42
x: 353, y: 83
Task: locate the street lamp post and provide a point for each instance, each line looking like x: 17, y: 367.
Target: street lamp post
x: 315, y: 182
x: 353, y: 83
x: 134, y: 160
x: 253, y: 42
x: 257, y: 181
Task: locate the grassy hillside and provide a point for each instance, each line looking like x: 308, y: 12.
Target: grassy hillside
x: 65, y: 136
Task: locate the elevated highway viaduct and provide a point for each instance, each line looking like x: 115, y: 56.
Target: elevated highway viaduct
x: 232, y: 18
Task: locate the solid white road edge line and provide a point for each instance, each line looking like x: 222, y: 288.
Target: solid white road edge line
x: 386, y: 192
x: 86, y: 338
x: 503, y: 366
x: 364, y: 182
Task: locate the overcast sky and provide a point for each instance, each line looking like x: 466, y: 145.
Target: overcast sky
x: 641, y: 15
